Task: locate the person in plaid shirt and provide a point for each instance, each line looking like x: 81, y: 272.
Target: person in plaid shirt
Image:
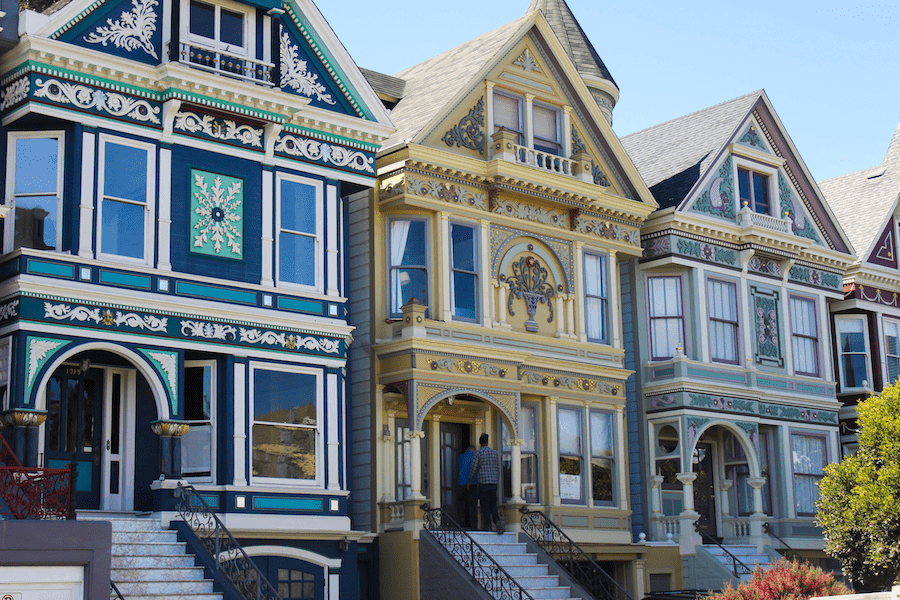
x: 486, y: 466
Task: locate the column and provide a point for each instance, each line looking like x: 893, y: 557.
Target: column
x: 529, y: 121
x: 489, y: 116
x: 415, y: 452
x: 268, y: 241
x: 621, y: 455
x: 388, y: 464
x: 170, y: 433
x: 567, y: 132
x: 240, y: 424
x: 614, y: 318
x: 164, y: 218
x: 434, y: 462
x: 515, y: 468
x: 484, y: 272
x: 86, y: 214
x: 501, y: 290
x: 560, y: 316
x: 443, y: 245
x: 570, y: 315
x: 332, y: 442
x: 724, y: 504
x: 552, y: 462
x: 758, y: 517
x: 332, y: 241
x: 657, y: 530
x: 689, y: 539
x: 579, y: 289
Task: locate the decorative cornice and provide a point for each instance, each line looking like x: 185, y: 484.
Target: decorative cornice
x: 84, y: 97
x: 225, y: 130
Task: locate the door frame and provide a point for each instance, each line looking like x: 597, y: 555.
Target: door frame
x: 124, y: 500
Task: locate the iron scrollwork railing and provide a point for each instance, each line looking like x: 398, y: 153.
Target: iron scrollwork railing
x: 228, y: 555
x: 473, y: 558
x: 769, y: 530
x: 35, y: 492
x: 737, y: 567
x: 581, y: 567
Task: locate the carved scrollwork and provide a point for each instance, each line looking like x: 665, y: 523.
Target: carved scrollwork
x: 469, y: 132
x: 529, y: 281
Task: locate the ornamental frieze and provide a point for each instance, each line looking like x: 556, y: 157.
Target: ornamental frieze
x: 796, y: 413
x: 89, y: 98
x: 302, y: 147
x: 582, y: 384
x: 14, y: 93
x: 607, y: 231
x: 873, y: 294
x: 764, y: 266
x: 816, y: 277
x: 722, y: 403
x: 9, y: 310
x: 702, y: 250
x: 714, y: 403
x: 530, y: 212
x: 226, y: 130
x: 441, y: 190
x: 469, y: 367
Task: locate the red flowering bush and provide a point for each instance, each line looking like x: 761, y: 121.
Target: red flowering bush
x: 784, y: 581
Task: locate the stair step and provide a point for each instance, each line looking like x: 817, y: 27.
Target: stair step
x: 169, y: 597
x: 517, y: 560
x: 148, y: 561
x: 154, y: 573
x: 148, y: 549
x: 549, y: 592
x: 158, y: 536
x: 517, y: 571
x: 537, y: 581
x: 138, y: 588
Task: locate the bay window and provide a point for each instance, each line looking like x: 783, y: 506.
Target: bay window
x: 666, y: 316
x: 723, y: 320
x: 891, y: 350
x: 528, y: 456
x: 753, y: 189
x: 603, y: 452
x: 571, y: 462
x: 125, y: 183
x: 299, y: 225
x: 408, y: 248
x: 464, y: 271
x: 804, y: 336
x: 809, y: 457
x: 853, y: 351
x: 575, y: 481
x: 596, y: 298
x: 34, y: 184
x: 287, y: 412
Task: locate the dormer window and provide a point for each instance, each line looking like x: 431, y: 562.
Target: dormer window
x: 546, y: 130
x: 754, y: 191
x: 508, y: 114
x: 218, y: 27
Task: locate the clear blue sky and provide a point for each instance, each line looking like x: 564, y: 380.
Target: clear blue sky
x: 832, y: 70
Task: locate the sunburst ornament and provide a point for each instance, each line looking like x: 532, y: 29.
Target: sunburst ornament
x: 217, y: 211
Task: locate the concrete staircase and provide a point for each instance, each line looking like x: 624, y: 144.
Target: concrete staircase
x: 149, y: 563
x: 746, y: 554
x: 522, y: 565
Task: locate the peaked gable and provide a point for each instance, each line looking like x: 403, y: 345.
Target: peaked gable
x: 129, y: 29
x: 884, y: 253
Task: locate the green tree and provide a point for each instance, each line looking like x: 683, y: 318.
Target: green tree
x: 784, y: 581
x: 859, y: 498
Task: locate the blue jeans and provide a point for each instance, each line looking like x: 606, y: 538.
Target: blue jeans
x: 487, y: 496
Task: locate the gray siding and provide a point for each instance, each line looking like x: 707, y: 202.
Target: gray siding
x: 633, y: 417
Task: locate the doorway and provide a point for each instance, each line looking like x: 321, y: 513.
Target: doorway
x: 455, y: 438
x: 704, y: 489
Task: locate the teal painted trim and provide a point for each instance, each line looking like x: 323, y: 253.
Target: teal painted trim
x: 783, y: 385
x: 211, y: 501
x: 135, y: 281
x: 717, y: 375
x: 281, y: 503
x: 815, y: 389
x: 166, y: 364
x: 214, y: 293
x: 308, y: 306
x: 85, y: 470
x: 39, y: 267
x: 664, y: 372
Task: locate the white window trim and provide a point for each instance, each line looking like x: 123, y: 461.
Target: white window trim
x: 520, y: 100
x: 390, y: 265
x: 584, y: 500
x: 560, y: 134
x: 196, y: 40
x: 885, y: 376
x: 319, y: 259
x: 476, y: 262
x: 10, y: 220
x: 867, y: 353
x: 213, y: 404
x: 826, y: 438
x: 614, y: 476
x: 771, y: 174
x: 605, y: 284
x: 684, y: 325
x: 318, y: 482
x: 149, y: 206
x: 817, y: 338
x: 738, y: 332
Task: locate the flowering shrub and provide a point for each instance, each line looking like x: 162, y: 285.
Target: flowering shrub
x: 784, y: 581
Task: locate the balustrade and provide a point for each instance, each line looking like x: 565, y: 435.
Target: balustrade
x: 232, y: 65
x: 544, y: 160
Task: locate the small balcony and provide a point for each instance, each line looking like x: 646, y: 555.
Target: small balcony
x: 224, y: 63
x: 749, y: 218
x: 505, y: 147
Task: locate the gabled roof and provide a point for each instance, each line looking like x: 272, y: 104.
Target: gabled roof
x: 572, y: 37
x: 863, y: 201
x: 432, y: 83
x: 673, y: 156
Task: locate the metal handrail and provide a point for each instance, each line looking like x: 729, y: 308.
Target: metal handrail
x: 735, y: 562
x: 473, y: 558
x: 113, y: 587
x: 570, y: 556
x: 36, y: 492
x: 231, y: 561
x: 768, y: 529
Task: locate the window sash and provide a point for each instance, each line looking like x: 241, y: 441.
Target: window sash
x: 892, y: 350
x: 809, y: 457
x: 603, y: 457
x: 723, y: 320
x: 299, y: 241
x: 464, y: 289
x: 804, y: 340
x: 26, y: 226
x: 546, y: 128
x: 666, y: 316
x: 753, y: 188
x: 216, y: 40
x: 407, y: 278
x: 508, y: 114
x: 852, y: 345
x: 596, y: 304
x: 124, y: 207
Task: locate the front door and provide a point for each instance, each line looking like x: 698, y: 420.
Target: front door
x: 74, y: 428
x: 118, y: 426
x: 704, y: 492
x: 451, y: 448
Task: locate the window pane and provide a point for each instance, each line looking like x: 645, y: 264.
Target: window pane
x: 744, y: 185
x: 298, y: 207
x: 760, y: 194
x: 665, y: 297
x: 408, y: 243
x: 125, y: 172
x: 36, y: 165
x: 506, y: 113
x: 203, y: 19
x: 284, y: 397
x: 464, y: 295
x: 231, y: 28
x: 284, y: 451
x: 602, y: 479
x: 196, y: 450
x: 197, y: 393
x: 123, y: 229
x: 463, y: 240
x: 529, y: 428
x: 569, y: 431
x: 594, y: 275
x: 805, y: 359
x: 544, y: 123
x: 601, y: 435
x: 36, y: 222
x: 407, y: 284
x: 595, y: 319
x: 297, y: 258
x: 803, y: 316
x: 854, y: 366
x: 722, y: 300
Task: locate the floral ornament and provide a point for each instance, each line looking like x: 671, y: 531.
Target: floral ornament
x: 216, y: 213
x: 296, y: 76
x: 133, y: 30
x: 529, y: 281
x: 708, y: 252
x: 766, y: 326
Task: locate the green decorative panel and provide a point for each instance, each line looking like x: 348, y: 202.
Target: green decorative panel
x: 767, y: 321
x: 800, y: 224
x: 166, y: 363
x: 217, y: 214
x: 752, y: 138
x: 718, y: 197
x: 38, y: 351
x: 816, y: 277
x: 705, y: 251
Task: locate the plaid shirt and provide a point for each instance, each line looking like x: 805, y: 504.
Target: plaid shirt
x: 486, y: 465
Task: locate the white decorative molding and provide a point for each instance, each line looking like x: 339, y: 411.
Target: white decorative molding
x: 15, y: 93
x: 224, y: 129
x: 168, y: 362
x: 84, y: 97
x: 289, y: 341
x: 530, y: 212
x: 141, y: 322
x: 219, y: 211
x: 295, y: 75
x: 209, y: 331
x: 64, y: 312
x: 10, y: 309
x: 527, y: 62
x: 37, y: 352
x: 441, y: 191
x: 133, y: 30
x: 315, y: 150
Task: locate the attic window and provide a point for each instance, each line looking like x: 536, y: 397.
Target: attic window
x: 877, y: 174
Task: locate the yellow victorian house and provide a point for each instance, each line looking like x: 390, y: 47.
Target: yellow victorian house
x: 484, y: 280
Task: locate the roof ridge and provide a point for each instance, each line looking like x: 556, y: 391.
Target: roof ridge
x: 758, y: 92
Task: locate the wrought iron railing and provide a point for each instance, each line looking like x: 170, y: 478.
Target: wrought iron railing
x: 581, y: 567
x: 225, y: 63
x: 114, y: 589
x: 737, y: 567
x: 231, y: 562
x: 473, y: 558
x: 35, y: 492
x: 769, y: 530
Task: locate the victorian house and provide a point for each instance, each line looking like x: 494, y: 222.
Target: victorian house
x: 172, y: 297
x: 485, y: 292
x: 867, y: 323
x: 737, y: 411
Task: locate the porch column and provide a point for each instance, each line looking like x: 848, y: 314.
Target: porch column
x: 434, y: 459
x: 728, y: 526
x: 389, y: 469
x: 688, y: 539
x: 170, y: 433
x: 552, y: 460
x: 758, y: 517
x: 515, y: 470
x: 415, y: 467
x: 25, y: 423
x: 657, y: 530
